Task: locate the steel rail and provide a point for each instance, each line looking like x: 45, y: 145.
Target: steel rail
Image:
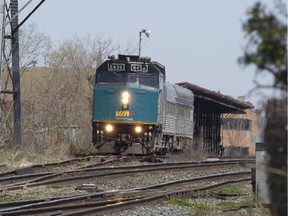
x: 207, y: 163
x: 93, y: 207
x: 61, y: 163
x: 113, y: 171
x: 89, y: 158
x: 37, y: 204
x: 132, y: 203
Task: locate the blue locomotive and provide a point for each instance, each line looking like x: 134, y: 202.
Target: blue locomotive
x: 136, y: 112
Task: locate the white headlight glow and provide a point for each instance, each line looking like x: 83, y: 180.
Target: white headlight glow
x: 138, y: 129
x: 109, y: 128
x: 125, y: 98
x: 125, y: 94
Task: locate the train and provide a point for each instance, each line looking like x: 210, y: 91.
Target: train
x: 135, y: 111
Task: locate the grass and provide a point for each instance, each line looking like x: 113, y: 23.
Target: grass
x: 230, y: 190
x: 179, y: 202
x: 204, y: 204
x: 7, y: 199
x: 119, y: 164
x: 14, y: 157
x: 35, y: 158
x: 5, y: 155
x: 138, y: 179
x: 198, y: 206
x: 83, y: 163
x: 59, y: 186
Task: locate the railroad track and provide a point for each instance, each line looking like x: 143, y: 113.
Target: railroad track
x: 63, y: 165
x: 38, y: 179
x: 100, y: 161
x: 39, y: 170
x: 114, y: 200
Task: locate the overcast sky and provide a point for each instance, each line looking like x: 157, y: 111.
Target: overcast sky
x: 198, y: 41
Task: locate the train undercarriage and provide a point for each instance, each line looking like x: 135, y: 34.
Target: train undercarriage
x: 151, y: 140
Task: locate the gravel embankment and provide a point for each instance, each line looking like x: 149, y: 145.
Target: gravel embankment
x: 146, y: 179
x: 208, y: 206
x: 211, y: 205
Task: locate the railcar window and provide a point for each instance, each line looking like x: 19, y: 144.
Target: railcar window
x: 171, y: 109
x: 147, y: 80
x: 184, y: 111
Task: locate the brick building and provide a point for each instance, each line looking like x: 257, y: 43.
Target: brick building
x: 237, y: 131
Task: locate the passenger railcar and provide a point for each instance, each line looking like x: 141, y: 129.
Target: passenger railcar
x: 178, y: 127
x: 136, y: 112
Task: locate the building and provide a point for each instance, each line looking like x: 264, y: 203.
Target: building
x: 237, y: 131
x: 210, y: 109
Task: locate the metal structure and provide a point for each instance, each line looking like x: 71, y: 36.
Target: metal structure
x: 147, y: 33
x: 10, y: 61
x: 15, y: 71
x: 260, y: 177
x: 209, y: 105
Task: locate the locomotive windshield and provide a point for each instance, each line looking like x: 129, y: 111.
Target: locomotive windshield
x: 106, y: 78
x: 142, y: 79
x: 135, y: 78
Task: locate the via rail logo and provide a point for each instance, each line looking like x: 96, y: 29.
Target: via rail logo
x: 124, y: 115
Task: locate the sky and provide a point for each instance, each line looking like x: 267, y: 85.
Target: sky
x: 198, y: 41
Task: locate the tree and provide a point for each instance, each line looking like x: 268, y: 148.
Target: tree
x: 60, y: 95
x: 83, y: 54
x: 266, y: 50
x: 34, y: 46
x: 266, y: 34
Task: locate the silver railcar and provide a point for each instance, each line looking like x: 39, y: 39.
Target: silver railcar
x: 177, y: 128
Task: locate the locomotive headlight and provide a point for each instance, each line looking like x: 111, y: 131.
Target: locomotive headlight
x: 138, y: 129
x: 125, y: 97
x: 125, y: 100
x: 109, y: 128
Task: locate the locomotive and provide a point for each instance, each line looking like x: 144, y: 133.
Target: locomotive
x: 135, y: 111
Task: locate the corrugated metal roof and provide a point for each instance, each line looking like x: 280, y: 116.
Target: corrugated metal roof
x: 216, y: 97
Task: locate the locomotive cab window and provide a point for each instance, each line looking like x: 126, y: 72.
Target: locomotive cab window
x: 143, y: 79
x: 104, y: 78
x: 110, y: 78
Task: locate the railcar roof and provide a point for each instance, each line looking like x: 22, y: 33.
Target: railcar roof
x: 178, y: 94
x: 215, y: 100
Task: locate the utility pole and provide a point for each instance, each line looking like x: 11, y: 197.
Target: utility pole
x: 11, y: 60
x: 15, y: 71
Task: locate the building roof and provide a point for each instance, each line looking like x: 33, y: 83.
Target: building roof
x: 215, y: 100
